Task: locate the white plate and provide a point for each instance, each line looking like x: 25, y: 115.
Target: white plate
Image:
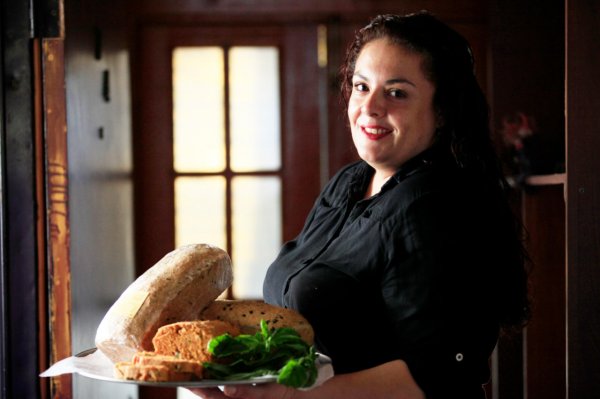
x: 92, y: 363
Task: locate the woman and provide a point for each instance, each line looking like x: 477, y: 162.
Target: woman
x: 410, y: 263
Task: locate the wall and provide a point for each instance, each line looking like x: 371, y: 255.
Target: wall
x: 527, y: 75
x: 100, y: 167
x: 583, y: 198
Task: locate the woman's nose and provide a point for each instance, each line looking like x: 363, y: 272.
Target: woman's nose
x: 373, y: 104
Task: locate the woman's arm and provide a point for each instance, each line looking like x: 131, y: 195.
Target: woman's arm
x: 390, y: 380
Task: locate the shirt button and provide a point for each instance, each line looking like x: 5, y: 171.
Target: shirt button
x: 459, y: 357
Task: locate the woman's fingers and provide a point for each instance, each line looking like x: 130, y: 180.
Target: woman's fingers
x: 208, y: 393
x: 266, y: 391
x: 263, y: 391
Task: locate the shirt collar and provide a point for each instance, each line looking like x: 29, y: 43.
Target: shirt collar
x: 424, y: 160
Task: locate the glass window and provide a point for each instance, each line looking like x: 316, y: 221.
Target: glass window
x: 227, y: 176
x: 254, y: 108
x: 200, y: 211
x: 198, y: 112
x: 256, y: 231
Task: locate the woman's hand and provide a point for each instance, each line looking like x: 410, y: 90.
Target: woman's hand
x: 263, y: 391
x: 390, y: 380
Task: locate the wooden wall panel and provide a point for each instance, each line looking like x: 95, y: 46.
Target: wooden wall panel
x: 526, y: 70
x: 154, y: 230
x: 583, y: 197
x: 59, y: 277
x: 301, y: 136
x: 41, y: 223
x: 544, y: 338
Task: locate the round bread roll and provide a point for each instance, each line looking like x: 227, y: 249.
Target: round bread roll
x: 247, y: 314
x: 174, y: 289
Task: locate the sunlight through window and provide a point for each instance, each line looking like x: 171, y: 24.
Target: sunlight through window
x: 254, y: 108
x: 198, y: 113
x: 227, y: 176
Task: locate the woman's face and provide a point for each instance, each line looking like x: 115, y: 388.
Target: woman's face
x: 391, y: 111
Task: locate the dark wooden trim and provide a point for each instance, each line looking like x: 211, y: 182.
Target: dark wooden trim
x: 41, y: 226
x: 341, y: 147
x: 544, y: 346
x: 300, y: 121
x: 286, y: 11
x: 19, y: 360
x: 152, y: 133
x: 3, y: 242
x: 583, y: 197
x: 59, y: 277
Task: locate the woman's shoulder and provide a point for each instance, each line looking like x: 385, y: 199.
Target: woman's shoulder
x: 448, y: 189
x: 428, y: 180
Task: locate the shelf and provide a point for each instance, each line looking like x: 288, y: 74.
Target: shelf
x: 541, y: 180
x: 546, y: 180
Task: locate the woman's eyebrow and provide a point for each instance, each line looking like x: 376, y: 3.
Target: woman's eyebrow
x: 400, y: 80
x: 389, y: 81
x: 358, y: 75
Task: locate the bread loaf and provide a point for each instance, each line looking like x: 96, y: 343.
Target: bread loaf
x: 247, y: 314
x: 189, y: 339
x: 152, y: 373
x: 174, y: 289
x: 173, y: 363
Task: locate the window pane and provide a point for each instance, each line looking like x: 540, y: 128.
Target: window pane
x: 198, y: 114
x: 254, y: 108
x: 256, y: 232
x: 200, y: 211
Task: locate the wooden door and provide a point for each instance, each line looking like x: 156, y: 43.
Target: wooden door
x: 155, y: 175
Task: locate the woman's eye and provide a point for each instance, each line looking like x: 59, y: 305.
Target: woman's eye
x: 397, y: 93
x: 360, y: 87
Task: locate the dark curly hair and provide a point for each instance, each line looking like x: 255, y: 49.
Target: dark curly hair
x: 463, y: 110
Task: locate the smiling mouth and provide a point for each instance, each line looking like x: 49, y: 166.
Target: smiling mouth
x: 375, y: 133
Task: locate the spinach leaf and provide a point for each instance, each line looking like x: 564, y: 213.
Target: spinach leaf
x: 277, y: 351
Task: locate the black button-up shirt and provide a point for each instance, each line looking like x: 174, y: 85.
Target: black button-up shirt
x: 406, y: 274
